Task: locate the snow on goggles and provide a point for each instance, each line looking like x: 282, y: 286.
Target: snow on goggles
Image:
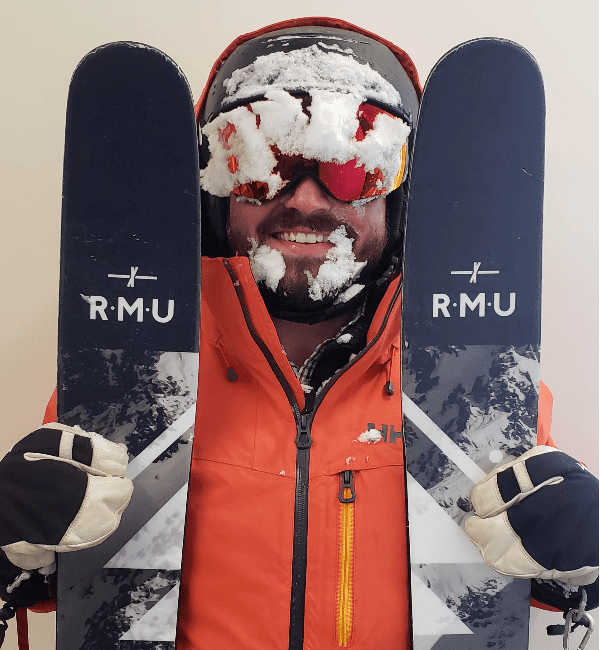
x: 251, y: 158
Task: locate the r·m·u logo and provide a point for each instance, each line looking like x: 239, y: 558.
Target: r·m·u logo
x: 444, y: 306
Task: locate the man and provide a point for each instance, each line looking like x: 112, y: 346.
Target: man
x: 305, y: 131
x: 317, y: 246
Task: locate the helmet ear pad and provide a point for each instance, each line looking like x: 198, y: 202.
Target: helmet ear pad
x: 214, y: 214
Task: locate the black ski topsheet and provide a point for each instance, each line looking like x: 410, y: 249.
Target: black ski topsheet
x: 128, y: 332
x: 471, y: 330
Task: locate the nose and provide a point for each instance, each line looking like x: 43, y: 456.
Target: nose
x: 308, y: 196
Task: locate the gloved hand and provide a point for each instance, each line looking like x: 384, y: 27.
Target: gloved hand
x: 61, y: 489
x: 537, y: 517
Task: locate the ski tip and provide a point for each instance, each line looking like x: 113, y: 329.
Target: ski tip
x: 112, y: 49
x: 499, y: 46
x: 487, y: 41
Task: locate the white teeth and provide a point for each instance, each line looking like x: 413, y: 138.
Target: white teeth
x: 303, y: 238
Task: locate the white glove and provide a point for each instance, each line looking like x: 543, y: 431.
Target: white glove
x: 61, y: 489
x: 537, y: 517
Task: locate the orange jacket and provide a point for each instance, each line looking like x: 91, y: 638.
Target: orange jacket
x: 237, y: 580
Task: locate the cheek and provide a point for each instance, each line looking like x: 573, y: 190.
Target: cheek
x: 374, y: 219
x: 247, y: 216
x: 241, y: 222
x: 236, y: 214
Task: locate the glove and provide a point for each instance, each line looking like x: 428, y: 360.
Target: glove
x: 61, y: 490
x: 537, y: 517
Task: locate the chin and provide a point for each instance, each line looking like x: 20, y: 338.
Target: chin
x: 291, y: 300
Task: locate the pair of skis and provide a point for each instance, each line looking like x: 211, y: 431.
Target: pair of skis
x: 129, y: 325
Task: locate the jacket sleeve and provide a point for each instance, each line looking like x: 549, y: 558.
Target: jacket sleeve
x: 51, y: 413
x: 545, y: 417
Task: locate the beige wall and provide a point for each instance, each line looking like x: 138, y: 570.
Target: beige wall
x: 41, y: 42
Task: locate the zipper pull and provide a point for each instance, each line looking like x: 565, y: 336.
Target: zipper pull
x: 389, y: 388
x: 303, y: 437
x: 347, y: 483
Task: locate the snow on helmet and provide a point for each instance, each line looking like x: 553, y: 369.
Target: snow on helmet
x: 271, y: 69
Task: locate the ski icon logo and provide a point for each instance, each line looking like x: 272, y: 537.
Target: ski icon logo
x: 131, y: 278
x: 99, y: 305
x: 446, y: 306
x: 476, y: 270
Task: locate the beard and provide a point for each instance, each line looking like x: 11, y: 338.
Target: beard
x: 293, y: 293
x: 308, y: 277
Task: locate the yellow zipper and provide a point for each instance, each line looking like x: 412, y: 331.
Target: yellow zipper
x: 345, y: 599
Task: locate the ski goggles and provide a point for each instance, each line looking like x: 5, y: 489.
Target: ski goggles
x: 348, y: 181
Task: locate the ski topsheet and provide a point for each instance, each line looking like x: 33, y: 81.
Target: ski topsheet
x: 471, y: 330
x: 128, y: 332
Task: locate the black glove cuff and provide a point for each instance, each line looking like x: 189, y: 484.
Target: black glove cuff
x: 36, y: 589
x: 553, y: 594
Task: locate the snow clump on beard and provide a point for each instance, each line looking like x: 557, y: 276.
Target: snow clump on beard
x: 338, y: 270
x: 267, y: 265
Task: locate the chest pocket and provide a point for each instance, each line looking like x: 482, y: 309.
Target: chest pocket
x: 240, y: 420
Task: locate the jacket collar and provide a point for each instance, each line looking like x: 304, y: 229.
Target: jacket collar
x: 234, y: 311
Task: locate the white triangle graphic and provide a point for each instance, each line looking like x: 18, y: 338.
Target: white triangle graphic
x: 431, y: 618
x: 435, y: 538
x: 158, y: 544
x: 160, y: 623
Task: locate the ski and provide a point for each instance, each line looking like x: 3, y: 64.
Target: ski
x: 471, y: 330
x: 129, y: 332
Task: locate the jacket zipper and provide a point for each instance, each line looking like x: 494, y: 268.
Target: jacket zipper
x: 303, y: 444
x: 299, y: 556
x: 345, y: 593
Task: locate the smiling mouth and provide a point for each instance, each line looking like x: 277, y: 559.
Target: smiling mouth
x: 291, y: 228
x: 302, y: 237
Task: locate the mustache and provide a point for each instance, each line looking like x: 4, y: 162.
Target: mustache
x: 288, y: 219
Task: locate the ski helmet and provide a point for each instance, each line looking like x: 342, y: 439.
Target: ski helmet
x: 390, y: 83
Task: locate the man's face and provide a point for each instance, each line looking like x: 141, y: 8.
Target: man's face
x: 297, y: 223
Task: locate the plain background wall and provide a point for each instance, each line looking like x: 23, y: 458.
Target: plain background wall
x: 42, y: 41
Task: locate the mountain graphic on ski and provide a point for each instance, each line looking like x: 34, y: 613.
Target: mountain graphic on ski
x: 471, y: 330
x: 129, y: 333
